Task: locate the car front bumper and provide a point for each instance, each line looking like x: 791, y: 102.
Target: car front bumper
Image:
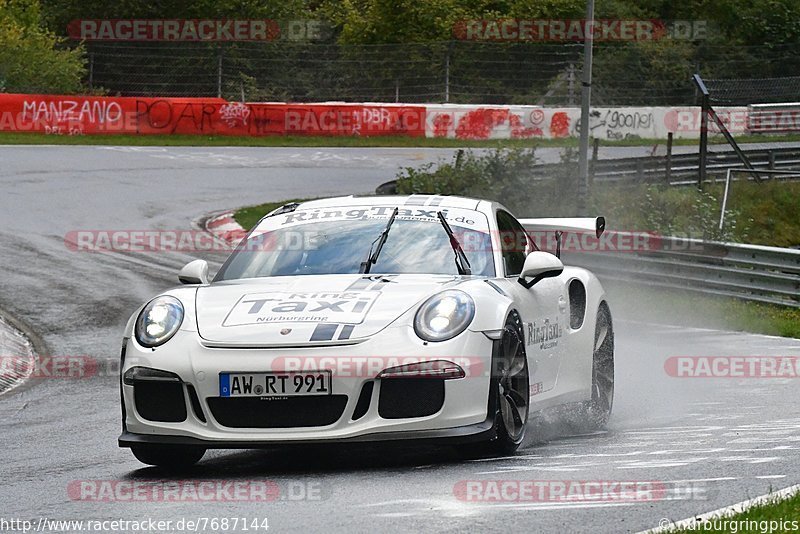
x: 464, y: 415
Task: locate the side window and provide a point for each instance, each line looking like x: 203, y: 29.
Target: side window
x: 514, y: 243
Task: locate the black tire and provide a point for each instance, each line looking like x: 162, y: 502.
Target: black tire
x: 509, y: 389
x: 597, y: 411
x: 168, y: 456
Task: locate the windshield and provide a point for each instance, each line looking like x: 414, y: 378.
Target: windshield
x: 418, y: 245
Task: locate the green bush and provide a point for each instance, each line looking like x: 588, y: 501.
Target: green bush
x: 671, y: 211
x: 765, y: 213
x: 31, y: 59
x: 503, y: 175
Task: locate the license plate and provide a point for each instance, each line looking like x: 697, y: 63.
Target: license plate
x: 307, y: 383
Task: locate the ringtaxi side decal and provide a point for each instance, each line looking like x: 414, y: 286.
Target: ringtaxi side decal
x: 544, y: 333
x: 301, y: 307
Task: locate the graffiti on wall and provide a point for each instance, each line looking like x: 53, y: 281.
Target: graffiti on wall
x: 96, y: 115
x: 77, y: 115
x: 618, y: 124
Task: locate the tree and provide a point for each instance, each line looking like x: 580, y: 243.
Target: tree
x: 31, y: 59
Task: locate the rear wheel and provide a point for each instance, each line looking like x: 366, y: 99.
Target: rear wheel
x: 598, y: 410
x: 168, y: 456
x: 509, y: 388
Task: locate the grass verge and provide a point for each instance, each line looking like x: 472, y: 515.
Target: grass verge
x: 766, y: 213
x: 759, y: 519
x: 30, y: 138
x: 250, y: 215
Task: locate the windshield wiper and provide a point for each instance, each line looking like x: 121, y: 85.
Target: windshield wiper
x: 462, y: 263
x: 373, y: 256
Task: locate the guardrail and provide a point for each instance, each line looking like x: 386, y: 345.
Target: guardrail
x: 750, y: 272
x: 678, y: 169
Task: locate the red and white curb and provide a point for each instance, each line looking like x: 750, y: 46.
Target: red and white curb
x: 225, y: 228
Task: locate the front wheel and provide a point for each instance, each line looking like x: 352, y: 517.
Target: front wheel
x: 168, y: 456
x: 509, y: 391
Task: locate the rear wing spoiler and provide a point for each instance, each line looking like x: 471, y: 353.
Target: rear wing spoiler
x: 566, y: 224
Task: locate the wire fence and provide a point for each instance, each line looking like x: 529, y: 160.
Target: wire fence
x: 453, y: 71
x: 740, y: 92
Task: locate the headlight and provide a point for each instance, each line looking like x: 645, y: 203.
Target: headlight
x: 159, y: 321
x: 444, y: 315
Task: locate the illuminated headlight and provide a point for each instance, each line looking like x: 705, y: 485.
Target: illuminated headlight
x: 444, y: 316
x: 159, y: 321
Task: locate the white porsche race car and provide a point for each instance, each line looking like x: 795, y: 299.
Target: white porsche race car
x: 369, y: 319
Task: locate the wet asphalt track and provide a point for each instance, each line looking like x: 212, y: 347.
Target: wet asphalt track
x: 721, y: 440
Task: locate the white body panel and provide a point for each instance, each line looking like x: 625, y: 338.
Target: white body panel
x: 226, y: 330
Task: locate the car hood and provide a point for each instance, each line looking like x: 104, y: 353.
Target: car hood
x: 308, y: 310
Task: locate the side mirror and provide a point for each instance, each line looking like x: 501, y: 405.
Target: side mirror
x: 194, y: 272
x: 539, y: 265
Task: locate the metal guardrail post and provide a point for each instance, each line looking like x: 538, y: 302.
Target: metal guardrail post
x: 725, y: 198
x: 668, y: 163
x: 705, y: 103
x: 771, y: 165
x: 703, y: 143
x: 91, y: 71
x: 732, y: 142
x: 219, y: 72
x: 447, y: 52
x: 707, y: 112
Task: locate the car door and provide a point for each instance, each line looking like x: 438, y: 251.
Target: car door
x: 542, y: 307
